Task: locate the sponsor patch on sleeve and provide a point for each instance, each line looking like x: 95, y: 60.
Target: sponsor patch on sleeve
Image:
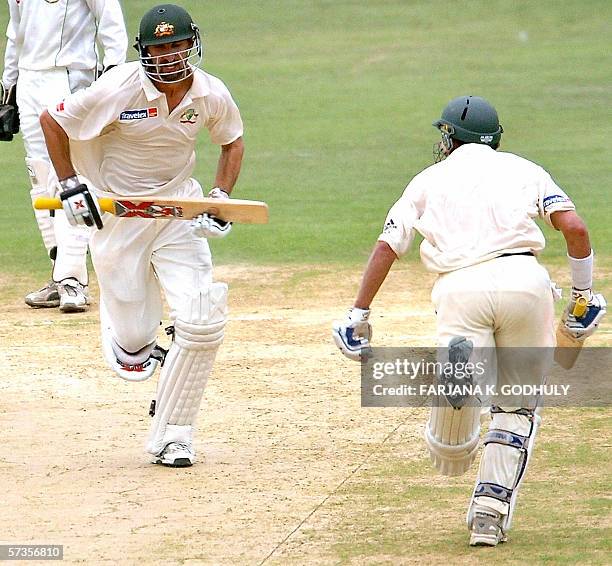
x: 553, y: 200
x: 140, y: 114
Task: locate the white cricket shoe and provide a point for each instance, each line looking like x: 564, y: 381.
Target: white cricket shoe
x: 176, y: 455
x: 73, y: 297
x: 45, y: 298
x: 486, y: 528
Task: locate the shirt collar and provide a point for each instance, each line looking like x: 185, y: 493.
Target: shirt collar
x: 470, y: 148
x: 199, y: 87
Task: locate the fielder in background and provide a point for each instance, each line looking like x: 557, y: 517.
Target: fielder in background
x: 133, y: 133
x: 52, y: 50
x: 475, y: 210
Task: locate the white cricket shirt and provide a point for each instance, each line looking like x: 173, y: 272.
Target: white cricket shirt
x: 475, y: 205
x: 44, y: 34
x: 124, y: 140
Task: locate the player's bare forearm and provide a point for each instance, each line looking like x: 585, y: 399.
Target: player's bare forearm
x: 58, y: 146
x: 375, y: 273
x: 574, y: 231
x: 229, y: 164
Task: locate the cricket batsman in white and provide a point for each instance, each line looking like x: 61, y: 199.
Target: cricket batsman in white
x: 133, y: 133
x: 475, y: 210
x: 52, y: 51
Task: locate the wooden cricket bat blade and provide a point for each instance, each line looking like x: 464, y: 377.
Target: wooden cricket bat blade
x: 568, y: 349
x: 230, y: 210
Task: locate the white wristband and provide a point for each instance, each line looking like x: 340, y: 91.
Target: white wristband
x: 582, y: 271
x: 69, y: 183
x: 356, y: 314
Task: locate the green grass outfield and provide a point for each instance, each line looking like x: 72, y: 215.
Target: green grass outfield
x: 338, y: 100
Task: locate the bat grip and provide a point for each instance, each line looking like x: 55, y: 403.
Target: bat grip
x: 48, y: 203
x: 580, y: 307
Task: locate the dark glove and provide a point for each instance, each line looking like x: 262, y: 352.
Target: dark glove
x: 9, y: 115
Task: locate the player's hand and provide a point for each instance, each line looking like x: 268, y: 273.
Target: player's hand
x: 353, y: 334
x: 9, y: 114
x: 207, y: 226
x: 80, y: 206
x: 583, y: 313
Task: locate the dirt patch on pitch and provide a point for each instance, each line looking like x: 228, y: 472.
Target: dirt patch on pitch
x: 281, y: 425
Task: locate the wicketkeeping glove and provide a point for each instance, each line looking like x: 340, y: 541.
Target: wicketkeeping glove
x: 353, y: 334
x: 9, y: 115
x: 80, y: 206
x: 583, y: 313
x: 207, y: 226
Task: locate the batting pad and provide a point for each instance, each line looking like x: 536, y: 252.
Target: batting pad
x: 198, y: 333
x: 508, y: 448
x: 452, y: 437
x: 38, y: 170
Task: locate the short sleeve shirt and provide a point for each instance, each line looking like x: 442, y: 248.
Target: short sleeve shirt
x: 475, y: 205
x: 124, y: 139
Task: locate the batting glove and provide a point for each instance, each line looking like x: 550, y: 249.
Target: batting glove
x: 9, y: 114
x: 353, y: 334
x: 207, y: 226
x: 583, y: 313
x: 80, y: 206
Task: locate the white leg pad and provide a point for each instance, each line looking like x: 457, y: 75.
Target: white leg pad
x: 71, y: 261
x: 198, y: 333
x: 38, y: 171
x: 508, y: 448
x: 452, y: 437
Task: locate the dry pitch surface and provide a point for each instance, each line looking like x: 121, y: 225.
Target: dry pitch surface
x: 281, y: 430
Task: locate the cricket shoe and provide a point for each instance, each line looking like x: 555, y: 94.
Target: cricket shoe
x: 176, y: 455
x: 139, y: 372
x: 486, y: 528
x: 45, y: 298
x: 73, y: 297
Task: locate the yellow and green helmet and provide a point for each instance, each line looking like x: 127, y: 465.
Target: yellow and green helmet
x: 168, y: 23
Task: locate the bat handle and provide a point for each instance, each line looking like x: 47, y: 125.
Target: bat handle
x: 580, y: 307
x: 48, y: 203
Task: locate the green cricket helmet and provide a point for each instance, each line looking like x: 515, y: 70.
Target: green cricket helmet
x: 469, y: 119
x: 168, y: 23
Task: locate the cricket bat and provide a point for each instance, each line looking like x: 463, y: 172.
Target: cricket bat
x: 568, y: 348
x: 230, y: 210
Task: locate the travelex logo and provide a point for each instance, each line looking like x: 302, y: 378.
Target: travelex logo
x: 128, y: 115
x: 553, y: 199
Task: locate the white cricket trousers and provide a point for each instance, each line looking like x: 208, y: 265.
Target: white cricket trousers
x: 504, y: 302
x: 36, y: 90
x: 136, y: 258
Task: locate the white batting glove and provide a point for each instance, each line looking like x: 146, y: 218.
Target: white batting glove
x: 207, y: 226
x: 80, y: 206
x: 580, y: 325
x: 353, y: 334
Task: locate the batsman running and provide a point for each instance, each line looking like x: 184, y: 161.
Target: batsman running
x: 133, y: 133
x: 53, y: 49
x: 475, y: 208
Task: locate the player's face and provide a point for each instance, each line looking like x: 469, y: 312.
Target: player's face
x: 170, y: 59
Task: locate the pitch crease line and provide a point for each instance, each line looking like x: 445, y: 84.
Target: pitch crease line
x: 334, y: 491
